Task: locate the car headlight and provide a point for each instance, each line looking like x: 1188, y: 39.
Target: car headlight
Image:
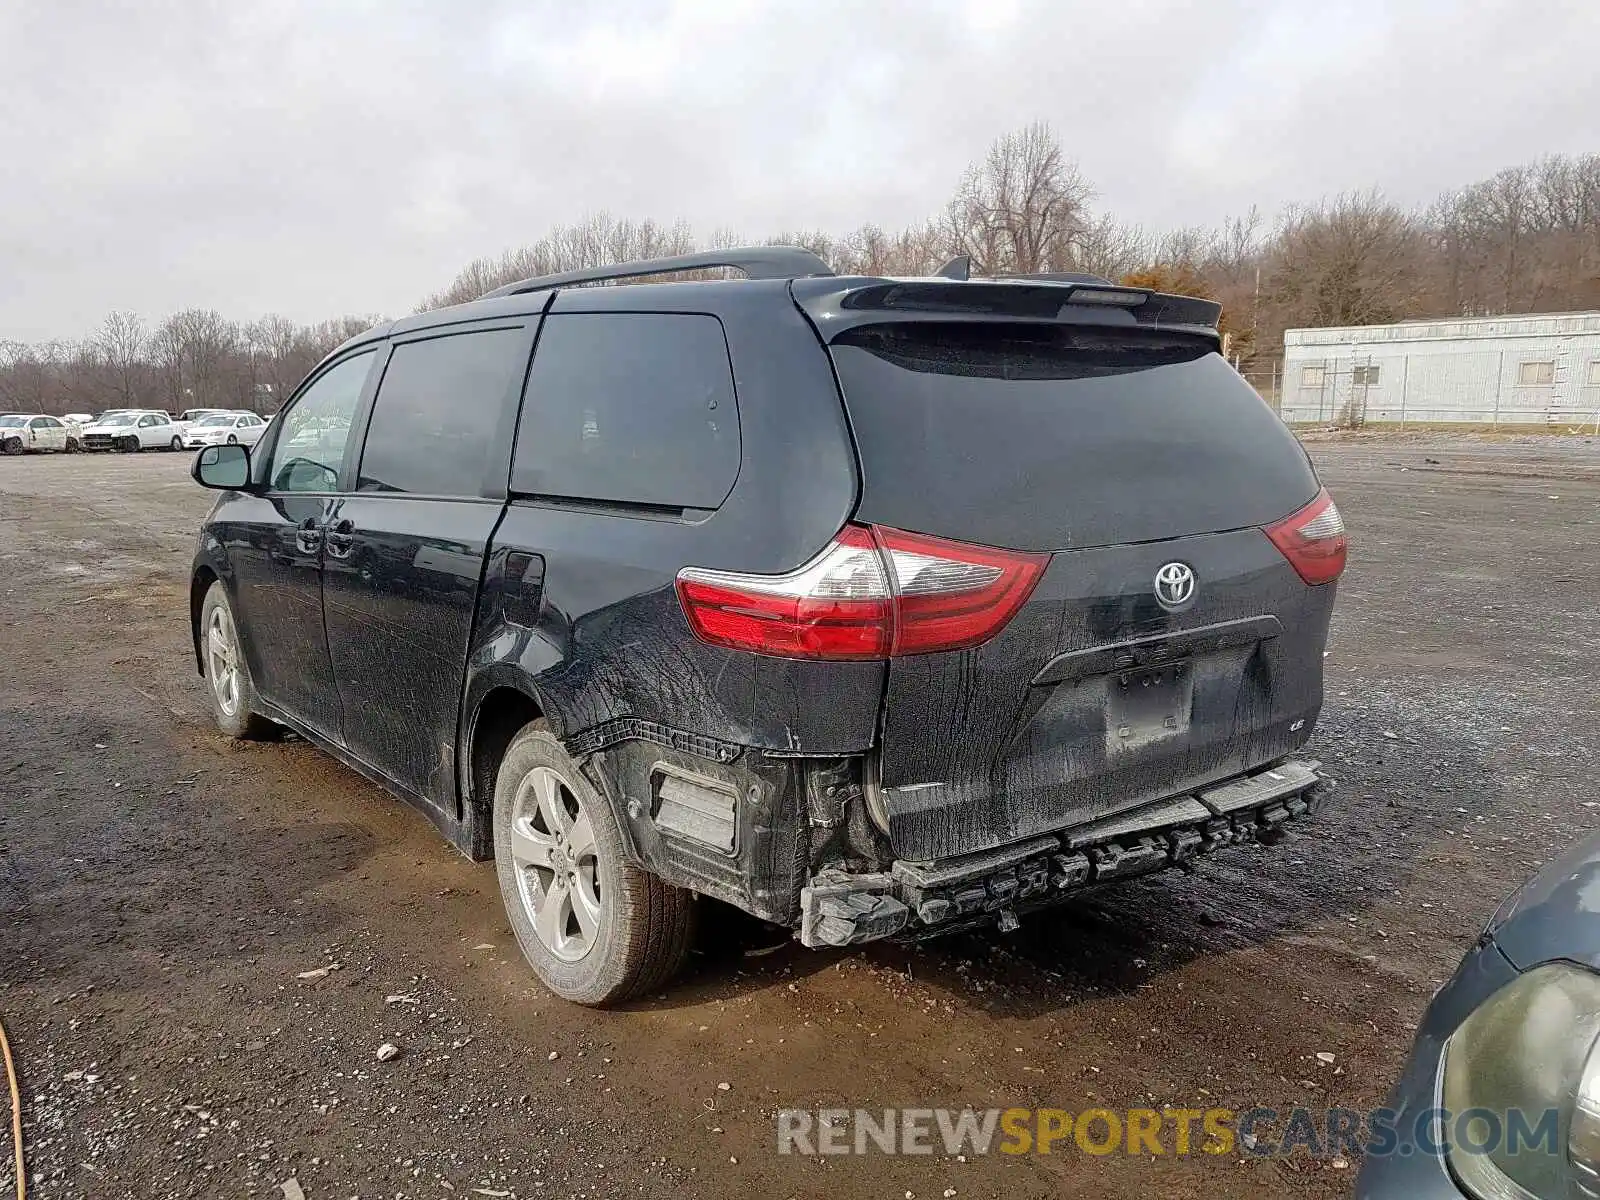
x: 1528, y: 1050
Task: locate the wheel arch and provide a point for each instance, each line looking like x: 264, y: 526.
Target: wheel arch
x: 199, y: 584
x: 504, y: 710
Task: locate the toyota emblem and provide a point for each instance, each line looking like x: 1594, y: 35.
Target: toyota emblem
x: 1174, y: 586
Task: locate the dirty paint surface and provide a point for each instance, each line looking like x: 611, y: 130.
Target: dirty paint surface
x: 162, y: 893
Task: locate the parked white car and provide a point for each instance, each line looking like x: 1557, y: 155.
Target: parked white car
x: 21, y: 433
x: 230, y: 428
x: 78, y: 419
x: 133, y: 430
x: 190, y: 415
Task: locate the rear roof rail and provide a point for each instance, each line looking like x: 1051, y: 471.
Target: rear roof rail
x: 757, y: 262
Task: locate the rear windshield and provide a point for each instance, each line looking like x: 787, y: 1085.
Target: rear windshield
x: 1061, y: 437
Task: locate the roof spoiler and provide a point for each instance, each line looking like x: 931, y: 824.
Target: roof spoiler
x: 835, y: 305
x: 757, y: 262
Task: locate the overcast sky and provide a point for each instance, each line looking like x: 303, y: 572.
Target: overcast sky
x: 315, y: 158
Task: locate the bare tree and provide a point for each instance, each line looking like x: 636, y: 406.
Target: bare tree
x: 1348, y: 261
x: 1023, y: 208
x: 122, y: 343
x: 24, y: 378
x: 202, y: 341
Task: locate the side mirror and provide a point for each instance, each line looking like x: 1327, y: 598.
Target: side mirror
x: 226, y: 468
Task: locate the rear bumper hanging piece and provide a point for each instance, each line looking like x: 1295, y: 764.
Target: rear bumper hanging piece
x: 913, y: 900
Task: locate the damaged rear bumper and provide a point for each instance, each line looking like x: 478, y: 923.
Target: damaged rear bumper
x: 912, y: 900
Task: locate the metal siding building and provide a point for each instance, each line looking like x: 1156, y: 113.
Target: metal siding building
x: 1530, y: 371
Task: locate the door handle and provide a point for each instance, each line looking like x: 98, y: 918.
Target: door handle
x: 341, y: 538
x: 308, y: 536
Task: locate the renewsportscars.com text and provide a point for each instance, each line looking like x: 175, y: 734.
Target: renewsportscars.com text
x: 1262, y: 1132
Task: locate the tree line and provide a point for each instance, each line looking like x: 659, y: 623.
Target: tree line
x: 196, y: 358
x: 1527, y: 239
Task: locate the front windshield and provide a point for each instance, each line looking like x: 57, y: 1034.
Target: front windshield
x: 13, y: 422
x: 213, y: 422
x: 119, y: 419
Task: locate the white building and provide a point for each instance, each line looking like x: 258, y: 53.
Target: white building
x: 1540, y: 371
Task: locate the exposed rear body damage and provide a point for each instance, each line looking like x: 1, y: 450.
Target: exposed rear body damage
x: 841, y: 908
x: 874, y: 607
x: 1121, y: 452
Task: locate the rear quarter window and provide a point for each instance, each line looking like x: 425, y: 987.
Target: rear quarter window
x: 629, y: 408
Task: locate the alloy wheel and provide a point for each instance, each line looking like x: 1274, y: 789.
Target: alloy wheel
x: 222, y: 659
x: 556, y: 862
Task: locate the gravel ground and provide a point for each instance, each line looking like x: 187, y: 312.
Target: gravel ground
x: 203, y: 945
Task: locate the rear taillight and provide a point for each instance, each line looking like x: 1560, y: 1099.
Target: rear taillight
x: 1313, y: 540
x: 872, y: 593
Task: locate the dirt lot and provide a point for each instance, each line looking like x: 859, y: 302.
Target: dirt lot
x: 162, y: 890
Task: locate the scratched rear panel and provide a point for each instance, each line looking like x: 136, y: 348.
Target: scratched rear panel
x: 1119, y: 452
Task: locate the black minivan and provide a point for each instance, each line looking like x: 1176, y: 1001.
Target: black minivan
x: 875, y: 607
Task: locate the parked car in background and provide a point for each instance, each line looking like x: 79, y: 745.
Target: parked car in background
x: 22, y: 433
x: 78, y: 419
x: 877, y: 608
x: 135, y: 429
x: 190, y: 415
x: 1514, y: 1036
x: 226, y: 428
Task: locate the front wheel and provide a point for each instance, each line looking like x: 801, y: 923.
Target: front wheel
x: 596, y: 928
x: 227, y: 674
x: 11, y: 446
x: 233, y: 440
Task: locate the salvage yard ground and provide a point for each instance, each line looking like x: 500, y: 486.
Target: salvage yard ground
x: 168, y: 902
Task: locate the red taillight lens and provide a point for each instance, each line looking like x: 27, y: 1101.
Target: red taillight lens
x: 836, y: 606
x: 949, y: 595
x: 871, y: 594
x: 1313, y: 540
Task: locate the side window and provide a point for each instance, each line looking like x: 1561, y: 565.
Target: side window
x: 1536, y: 373
x: 146, y: 422
x: 51, y: 423
x: 438, y: 411
x: 314, y: 432
x: 632, y: 408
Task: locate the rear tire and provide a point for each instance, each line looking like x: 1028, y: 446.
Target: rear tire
x: 72, y: 446
x: 228, y: 683
x: 596, y: 928
x: 175, y: 444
